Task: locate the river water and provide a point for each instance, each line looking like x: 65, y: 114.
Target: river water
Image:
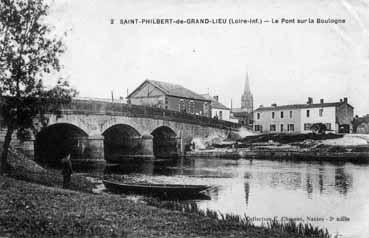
x: 333, y: 196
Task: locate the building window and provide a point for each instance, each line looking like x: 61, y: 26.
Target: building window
x: 328, y: 125
x: 291, y: 127
x: 258, y: 128
x: 206, y: 109
x: 273, y: 115
x: 282, y: 115
x: 321, y: 112
x: 307, y: 126
x: 281, y: 127
x: 192, y: 108
x: 291, y: 114
x: 182, y: 105
x: 166, y: 103
x: 307, y: 113
x: 258, y: 115
x: 272, y: 128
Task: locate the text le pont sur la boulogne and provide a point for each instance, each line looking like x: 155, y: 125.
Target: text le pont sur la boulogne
x: 224, y: 21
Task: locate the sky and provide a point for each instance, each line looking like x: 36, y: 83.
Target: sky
x: 286, y: 63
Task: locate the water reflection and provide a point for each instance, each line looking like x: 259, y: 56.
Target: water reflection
x: 264, y: 188
x: 289, y: 176
x: 309, y: 186
x: 320, y: 177
x: 342, y: 181
x: 247, y: 193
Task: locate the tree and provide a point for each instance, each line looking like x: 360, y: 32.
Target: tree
x: 28, y: 53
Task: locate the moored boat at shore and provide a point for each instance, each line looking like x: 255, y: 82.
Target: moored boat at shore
x: 165, y: 191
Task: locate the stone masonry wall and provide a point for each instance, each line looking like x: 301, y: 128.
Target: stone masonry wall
x: 345, y: 115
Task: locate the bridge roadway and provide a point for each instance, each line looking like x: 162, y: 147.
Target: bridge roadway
x: 96, y: 131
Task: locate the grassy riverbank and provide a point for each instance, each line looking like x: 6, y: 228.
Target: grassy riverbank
x: 28, y: 208
x: 24, y: 168
x: 32, y: 210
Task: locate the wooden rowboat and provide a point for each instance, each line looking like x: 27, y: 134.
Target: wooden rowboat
x: 166, y: 191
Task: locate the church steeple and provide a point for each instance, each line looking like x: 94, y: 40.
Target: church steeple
x: 247, y: 100
x: 247, y: 84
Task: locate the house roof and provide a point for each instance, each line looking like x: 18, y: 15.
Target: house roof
x: 214, y: 103
x: 236, y: 109
x: 170, y: 89
x: 241, y: 114
x: 301, y: 106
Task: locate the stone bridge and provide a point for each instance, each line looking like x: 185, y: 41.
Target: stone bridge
x: 96, y: 131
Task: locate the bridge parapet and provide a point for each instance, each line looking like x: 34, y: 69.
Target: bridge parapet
x: 79, y: 106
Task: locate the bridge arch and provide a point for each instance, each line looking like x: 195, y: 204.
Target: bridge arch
x: 57, y: 140
x: 76, y: 121
x: 165, y: 142
x: 121, y: 141
x: 132, y: 122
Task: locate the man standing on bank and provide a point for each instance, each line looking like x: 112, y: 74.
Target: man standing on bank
x: 66, y: 170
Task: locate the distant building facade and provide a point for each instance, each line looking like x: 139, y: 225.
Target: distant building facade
x: 218, y: 110
x: 298, y: 118
x: 244, y: 115
x: 170, y: 96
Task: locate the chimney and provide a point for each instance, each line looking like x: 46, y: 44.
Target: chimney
x: 310, y: 100
x: 261, y: 105
x: 340, y: 100
x: 216, y: 98
x: 345, y: 100
x: 321, y: 101
x: 274, y: 104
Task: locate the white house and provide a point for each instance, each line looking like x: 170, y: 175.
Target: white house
x: 298, y: 118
